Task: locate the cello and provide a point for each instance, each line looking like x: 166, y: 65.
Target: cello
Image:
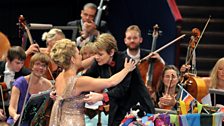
x: 195, y: 85
x: 48, y: 74
x: 151, y: 70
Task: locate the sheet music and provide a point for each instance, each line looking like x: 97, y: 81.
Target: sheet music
x: 93, y: 106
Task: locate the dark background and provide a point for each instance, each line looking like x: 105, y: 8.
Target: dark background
x: 119, y: 15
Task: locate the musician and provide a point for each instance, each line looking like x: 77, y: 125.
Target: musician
x: 87, y: 51
x: 167, y: 91
x: 126, y: 94
x: 36, y: 82
x: 132, y: 40
x: 13, y: 68
x: 86, y: 25
x: 216, y: 81
x: 51, y: 37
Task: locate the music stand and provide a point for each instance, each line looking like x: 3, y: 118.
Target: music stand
x: 33, y: 106
x: 216, y: 95
x: 37, y: 26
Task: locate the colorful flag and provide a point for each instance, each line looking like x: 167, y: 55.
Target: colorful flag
x: 188, y: 99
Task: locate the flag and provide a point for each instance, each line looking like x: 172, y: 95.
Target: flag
x: 187, y: 99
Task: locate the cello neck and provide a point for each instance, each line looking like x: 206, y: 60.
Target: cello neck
x: 99, y: 13
x: 22, y: 22
x: 155, y: 35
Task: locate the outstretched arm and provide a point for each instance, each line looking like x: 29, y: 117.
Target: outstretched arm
x: 91, y: 84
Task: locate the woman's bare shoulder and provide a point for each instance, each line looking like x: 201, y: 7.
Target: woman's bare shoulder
x: 207, y: 81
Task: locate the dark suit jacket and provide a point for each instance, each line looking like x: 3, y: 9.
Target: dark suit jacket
x: 23, y: 72
x: 126, y: 94
x: 143, y: 52
x: 103, y: 28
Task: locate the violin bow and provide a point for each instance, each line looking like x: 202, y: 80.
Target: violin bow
x: 3, y: 102
x: 199, y: 38
x: 171, y: 79
x: 163, y: 47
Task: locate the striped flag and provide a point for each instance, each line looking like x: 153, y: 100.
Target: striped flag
x: 188, y: 99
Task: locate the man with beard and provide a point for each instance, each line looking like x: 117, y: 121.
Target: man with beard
x: 133, y: 39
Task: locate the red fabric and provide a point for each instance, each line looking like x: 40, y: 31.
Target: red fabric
x: 105, y: 97
x: 112, y: 63
x: 174, y: 9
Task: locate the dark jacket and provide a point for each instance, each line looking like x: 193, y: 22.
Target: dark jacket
x: 102, y: 28
x: 126, y: 94
x: 143, y: 52
x: 23, y: 72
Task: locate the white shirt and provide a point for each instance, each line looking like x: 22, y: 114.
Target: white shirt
x: 8, y: 76
x: 134, y: 57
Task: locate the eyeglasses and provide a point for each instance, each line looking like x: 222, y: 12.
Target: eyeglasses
x: 43, y: 65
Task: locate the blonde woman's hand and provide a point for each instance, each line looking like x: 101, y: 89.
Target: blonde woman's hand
x: 130, y: 64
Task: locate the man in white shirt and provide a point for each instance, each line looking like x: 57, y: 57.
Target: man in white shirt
x: 12, y: 68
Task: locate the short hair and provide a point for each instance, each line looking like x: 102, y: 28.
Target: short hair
x: 16, y: 52
x: 106, y: 42
x: 62, y: 52
x: 214, y: 74
x: 134, y: 28
x: 53, y: 34
x: 88, y: 45
x: 90, y: 5
x: 44, y: 58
